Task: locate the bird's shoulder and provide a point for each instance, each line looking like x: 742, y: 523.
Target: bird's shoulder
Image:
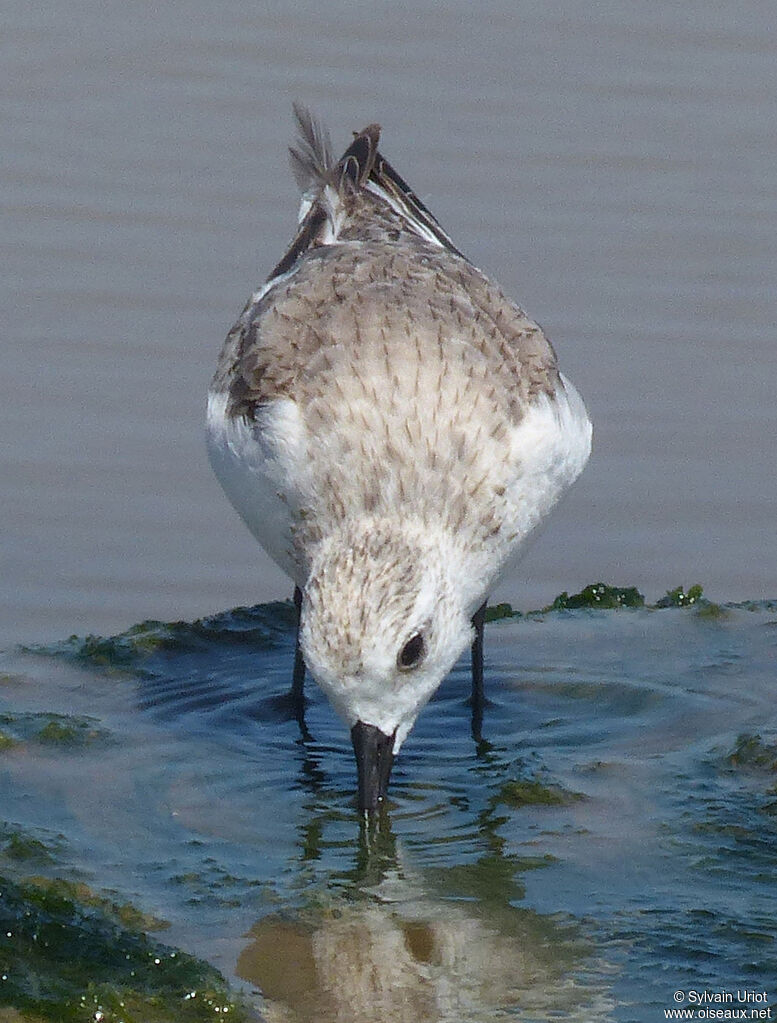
x: 403, y: 295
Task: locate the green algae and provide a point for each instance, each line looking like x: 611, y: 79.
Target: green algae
x: 708, y: 609
x: 265, y: 626
x: 603, y: 596
x: 598, y: 595
x: 63, y: 731
x: 123, y: 914
x: 69, y: 957
x: 70, y: 954
x: 7, y: 741
x: 488, y: 879
x: 756, y: 755
x: 678, y: 597
x: 495, y: 612
x: 534, y: 792
x: 216, y: 886
x: 260, y: 626
x: 24, y: 849
x: 70, y: 732
x: 751, y: 752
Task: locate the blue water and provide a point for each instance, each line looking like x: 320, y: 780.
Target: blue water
x: 650, y: 867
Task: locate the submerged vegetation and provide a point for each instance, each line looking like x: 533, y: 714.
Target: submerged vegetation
x: 264, y: 626
x: 609, y: 598
x: 754, y: 753
x: 60, y: 730
x: 66, y: 958
x: 261, y: 626
x: 534, y: 792
x: 68, y: 953
x: 63, y: 731
x: 757, y: 755
x: 73, y: 952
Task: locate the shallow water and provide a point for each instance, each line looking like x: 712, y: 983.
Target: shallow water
x: 612, y: 166
x: 609, y: 841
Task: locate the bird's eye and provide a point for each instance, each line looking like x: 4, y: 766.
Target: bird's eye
x: 412, y: 653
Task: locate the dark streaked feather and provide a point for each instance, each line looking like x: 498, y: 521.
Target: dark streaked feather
x: 304, y: 239
x: 361, y: 166
x: 386, y: 178
x: 358, y: 161
x: 311, y: 157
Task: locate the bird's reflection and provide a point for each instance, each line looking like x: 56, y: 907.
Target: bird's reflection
x: 383, y: 940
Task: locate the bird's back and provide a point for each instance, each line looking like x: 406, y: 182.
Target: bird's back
x: 379, y: 373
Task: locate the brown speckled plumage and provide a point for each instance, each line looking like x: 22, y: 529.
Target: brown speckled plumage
x: 379, y: 262
x: 383, y: 338
x: 391, y: 284
x: 391, y: 427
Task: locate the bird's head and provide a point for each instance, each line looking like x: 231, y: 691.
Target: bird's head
x: 382, y: 625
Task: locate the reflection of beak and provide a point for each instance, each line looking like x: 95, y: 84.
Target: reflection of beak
x: 374, y: 756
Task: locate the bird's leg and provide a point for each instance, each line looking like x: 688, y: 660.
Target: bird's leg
x: 298, y: 678
x: 478, y: 620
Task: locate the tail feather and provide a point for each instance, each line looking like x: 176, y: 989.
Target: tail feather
x: 328, y: 186
x: 311, y: 158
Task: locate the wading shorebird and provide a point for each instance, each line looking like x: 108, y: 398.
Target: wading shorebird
x: 391, y: 428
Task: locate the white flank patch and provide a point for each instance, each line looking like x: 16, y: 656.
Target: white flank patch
x: 254, y: 466
x: 549, y: 449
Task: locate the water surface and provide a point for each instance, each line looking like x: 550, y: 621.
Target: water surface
x: 610, y: 840
x: 611, y: 165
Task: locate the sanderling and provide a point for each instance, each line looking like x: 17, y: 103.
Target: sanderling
x: 391, y: 428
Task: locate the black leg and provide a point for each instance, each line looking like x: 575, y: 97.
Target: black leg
x: 478, y: 620
x: 298, y: 678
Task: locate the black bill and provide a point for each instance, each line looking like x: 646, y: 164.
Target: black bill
x: 374, y: 758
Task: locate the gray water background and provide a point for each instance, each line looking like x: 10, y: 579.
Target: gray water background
x: 611, y: 164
